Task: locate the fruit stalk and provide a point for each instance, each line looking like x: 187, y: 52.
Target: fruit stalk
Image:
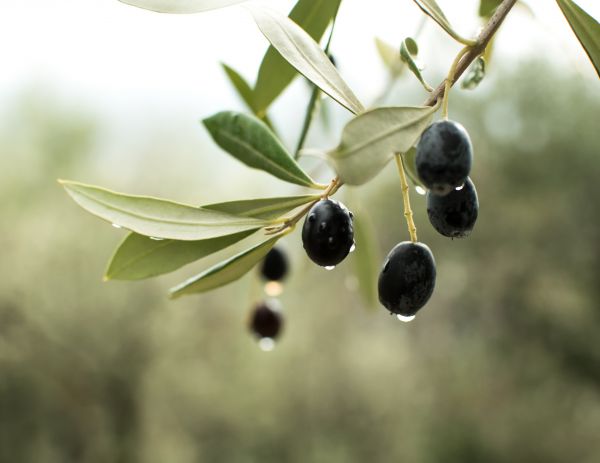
x: 482, y: 41
x: 408, y: 213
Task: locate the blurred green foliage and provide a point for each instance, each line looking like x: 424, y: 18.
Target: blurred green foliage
x: 503, y: 365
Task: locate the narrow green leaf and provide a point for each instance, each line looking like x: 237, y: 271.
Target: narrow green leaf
x: 180, y: 6
x: 433, y: 10
x: 302, y: 52
x: 158, y: 218
x: 275, y: 74
x: 262, y: 208
x: 139, y: 257
x: 370, y: 140
x: 250, y: 141
x: 241, y: 85
x: 487, y: 7
x: 366, y: 257
x: 390, y: 56
x: 475, y: 74
x: 246, y: 93
x: 226, y: 271
x: 408, y: 49
x: 585, y: 28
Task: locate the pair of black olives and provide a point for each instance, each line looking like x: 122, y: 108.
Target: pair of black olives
x: 443, y: 161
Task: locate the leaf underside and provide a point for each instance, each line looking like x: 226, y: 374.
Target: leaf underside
x: 158, y: 218
x: 139, y: 257
x: 304, y: 54
x: 275, y: 74
x: 181, y: 6
x: 370, y: 140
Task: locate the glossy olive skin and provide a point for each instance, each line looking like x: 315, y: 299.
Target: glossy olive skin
x: 455, y: 214
x: 266, y: 322
x: 328, y: 234
x: 444, y: 157
x: 407, y: 278
x: 275, y: 265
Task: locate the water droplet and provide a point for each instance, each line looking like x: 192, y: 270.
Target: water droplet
x: 353, y: 247
x: 156, y: 239
x: 311, y: 217
x: 273, y: 288
x: 330, y: 267
x: 420, y: 190
x: 266, y: 344
x: 351, y: 215
x: 458, y: 188
x: 404, y: 319
x: 323, y: 226
x: 116, y: 226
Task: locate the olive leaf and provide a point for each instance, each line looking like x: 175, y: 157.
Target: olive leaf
x: 304, y: 54
x: 586, y: 29
x: 275, y: 74
x: 249, y: 140
x: 246, y: 93
x: 158, y: 218
x: 433, y: 10
x: 487, y: 8
x: 370, y: 140
x: 390, y: 57
x: 225, y: 272
x: 408, y: 50
x: 475, y: 74
x: 139, y: 257
x: 181, y: 6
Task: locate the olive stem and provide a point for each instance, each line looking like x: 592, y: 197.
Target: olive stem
x: 450, y: 79
x: 475, y: 50
x: 408, y: 213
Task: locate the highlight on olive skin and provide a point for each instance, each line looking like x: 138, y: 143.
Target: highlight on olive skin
x: 455, y: 214
x: 444, y: 157
x: 328, y: 233
x: 407, y: 278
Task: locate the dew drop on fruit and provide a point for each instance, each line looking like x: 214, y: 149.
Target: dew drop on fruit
x: 266, y: 344
x: 116, y: 226
x: 156, y: 238
x: 404, y: 319
x: 330, y: 267
x: 458, y: 188
x: 273, y: 288
x: 420, y: 190
x: 353, y: 247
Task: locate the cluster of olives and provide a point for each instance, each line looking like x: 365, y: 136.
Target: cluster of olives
x: 443, y: 161
x: 407, y: 278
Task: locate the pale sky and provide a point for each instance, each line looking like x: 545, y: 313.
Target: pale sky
x: 114, y: 53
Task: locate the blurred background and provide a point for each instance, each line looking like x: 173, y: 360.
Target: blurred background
x: 502, y: 365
